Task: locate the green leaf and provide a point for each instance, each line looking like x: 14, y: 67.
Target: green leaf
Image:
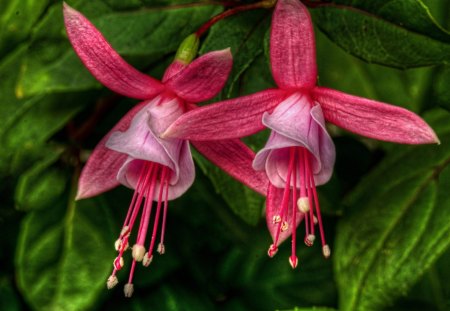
x: 244, y: 34
x: 142, y: 35
x: 29, y: 122
x: 441, y: 87
x: 407, y: 88
x: 244, y: 202
x: 17, y: 19
x: 312, y: 309
x: 8, y: 298
x: 396, y: 33
x: 402, y: 210
x: 41, y: 185
x: 60, y: 259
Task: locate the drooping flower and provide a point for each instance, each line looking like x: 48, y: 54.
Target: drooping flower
x: 299, y: 154
x: 133, y: 153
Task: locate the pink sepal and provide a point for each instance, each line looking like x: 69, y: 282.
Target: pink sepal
x: 103, y: 61
x: 235, y: 158
x: 373, y: 119
x: 292, y: 46
x: 203, y: 78
x: 228, y: 119
x: 100, y: 172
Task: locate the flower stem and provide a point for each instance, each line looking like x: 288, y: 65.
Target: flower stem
x: 265, y: 4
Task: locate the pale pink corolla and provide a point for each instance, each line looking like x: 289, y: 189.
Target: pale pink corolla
x: 299, y: 153
x: 133, y: 153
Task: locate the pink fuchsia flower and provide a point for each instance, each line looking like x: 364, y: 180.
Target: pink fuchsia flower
x: 133, y: 153
x: 299, y: 154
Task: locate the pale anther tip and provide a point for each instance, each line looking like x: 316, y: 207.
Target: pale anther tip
x: 161, y: 249
x: 138, y: 252
x: 326, y: 251
x: 112, y: 281
x: 128, y: 290
x: 303, y: 205
x: 272, y: 250
x: 293, y: 261
x: 147, y: 260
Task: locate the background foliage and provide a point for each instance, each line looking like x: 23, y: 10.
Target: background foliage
x: 386, y: 208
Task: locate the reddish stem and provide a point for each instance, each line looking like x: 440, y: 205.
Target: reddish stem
x: 265, y: 4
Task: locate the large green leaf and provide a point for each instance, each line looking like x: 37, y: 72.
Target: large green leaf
x: 244, y: 202
x: 244, y: 34
x: 17, y: 17
x: 402, y: 210
x: 442, y: 87
x: 397, y: 33
x: 142, y: 35
x: 60, y: 255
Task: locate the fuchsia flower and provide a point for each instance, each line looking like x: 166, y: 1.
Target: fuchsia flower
x: 299, y: 154
x: 133, y: 153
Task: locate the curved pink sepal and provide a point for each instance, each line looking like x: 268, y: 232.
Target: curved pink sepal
x: 103, y: 62
x: 373, y: 119
x: 203, y: 78
x: 235, y: 158
x: 292, y: 46
x: 273, y: 208
x: 100, y: 172
x: 228, y: 119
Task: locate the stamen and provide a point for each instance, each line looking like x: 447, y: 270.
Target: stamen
x: 128, y: 290
x: 163, y: 226
x: 309, y: 240
x: 112, y: 281
x: 293, y: 260
x: 276, y: 219
x: 326, y: 251
x: 138, y: 252
x: 161, y: 249
x: 147, y: 260
x: 303, y: 205
x: 118, y: 263
x: 272, y: 250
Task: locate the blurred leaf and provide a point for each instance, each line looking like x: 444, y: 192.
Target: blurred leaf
x: 270, y: 283
x: 59, y: 259
x: 312, y: 309
x: 41, y: 185
x: 8, y: 298
x: 442, y: 87
x: 148, y: 34
x: 402, y: 210
x: 170, y: 296
x: 244, y: 34
x: 394, y: 33
x: 244, y: 202
x: 17, y: 19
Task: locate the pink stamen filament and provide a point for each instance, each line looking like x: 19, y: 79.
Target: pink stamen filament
x: 145, y: 189
x: 294, y: 211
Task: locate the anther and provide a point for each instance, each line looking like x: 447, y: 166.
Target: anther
x: 276, y: 219
x: 128, y: 290
x: 161, y: 249
x: 147, y: 260
x: 315, y: 220
x: 309, y: 239
x: 272, y: 250
x: 118, y: 245
x: 125, y: 231
x: 138, y: 252
x: 284, y: 226
x: 326, y: 251
x: 112, y: 281
x: 293, y: 261
x: 303, y: 205
x: 118, y: 263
